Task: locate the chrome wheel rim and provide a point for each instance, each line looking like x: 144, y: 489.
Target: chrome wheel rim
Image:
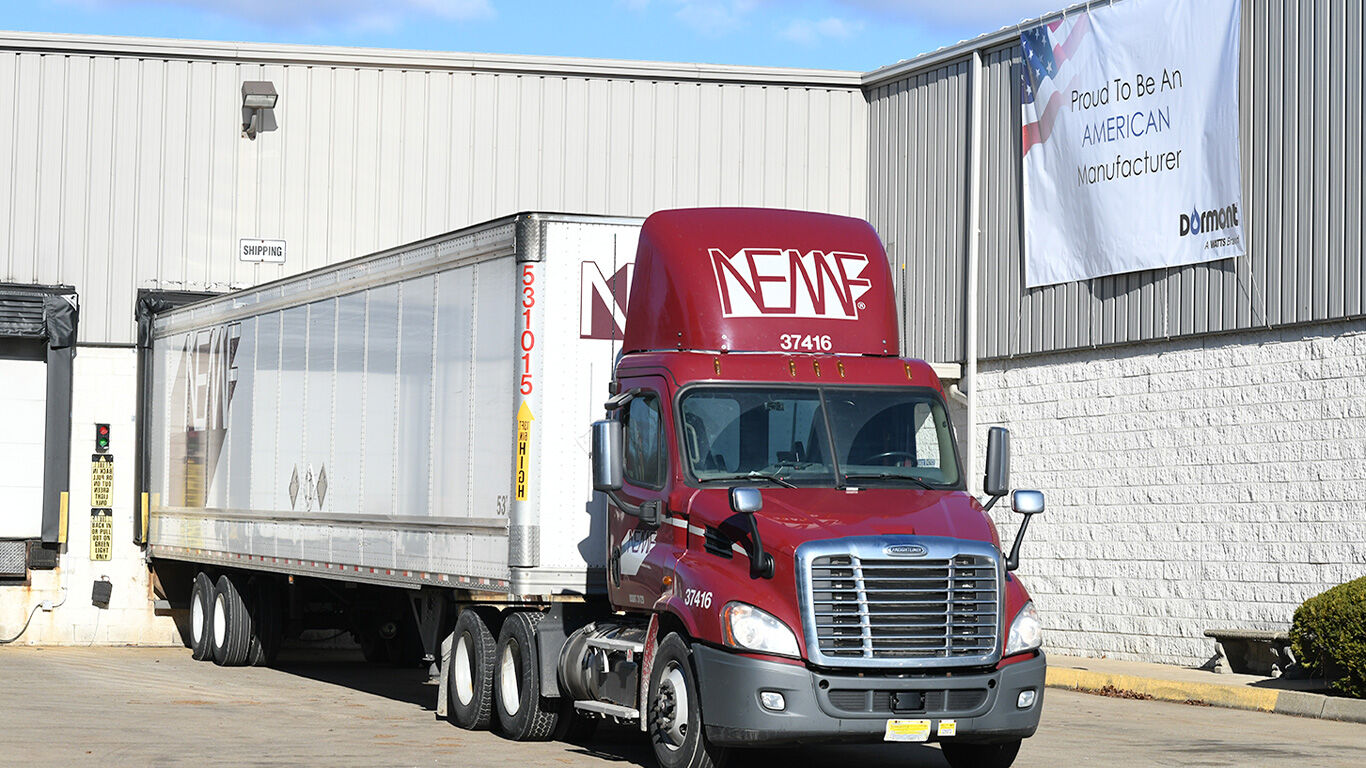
x: 673, y: 690
x: 507, y: 679
x: 197, y: 620
x: 220, y: 622
x: 464, y: 671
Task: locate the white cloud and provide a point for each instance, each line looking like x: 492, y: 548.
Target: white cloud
x: 811, y: 31
x: 714, y: 18
x: 971, y: 16
x: 361, y: 14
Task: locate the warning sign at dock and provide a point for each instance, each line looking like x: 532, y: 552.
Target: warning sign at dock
x: 101, y: 480
x: 101, y: 534
x: 524, y: 419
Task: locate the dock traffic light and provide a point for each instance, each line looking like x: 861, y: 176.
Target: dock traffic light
x: 102, y: 438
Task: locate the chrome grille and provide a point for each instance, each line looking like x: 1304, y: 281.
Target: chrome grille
x: 862, y: 607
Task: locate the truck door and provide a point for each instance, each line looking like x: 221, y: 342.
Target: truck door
x: 639, y: 556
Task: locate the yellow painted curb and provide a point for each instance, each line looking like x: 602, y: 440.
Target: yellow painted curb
x: 1231, y: 696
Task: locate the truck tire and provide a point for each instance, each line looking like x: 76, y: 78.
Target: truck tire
x: 960, y: 755
x: 268, y: 621
x: 201, y: 617
x: 523, y: 713
x: 231, y: 624
x: 675, y: 717
x: 469, y: 676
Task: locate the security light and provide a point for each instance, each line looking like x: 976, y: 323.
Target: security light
x: 259, y: 94
x: 257, y: 97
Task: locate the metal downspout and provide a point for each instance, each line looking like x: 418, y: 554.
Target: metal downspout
x: 974, y: 235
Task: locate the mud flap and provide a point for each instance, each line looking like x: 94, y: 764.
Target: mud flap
x: 446, y: 644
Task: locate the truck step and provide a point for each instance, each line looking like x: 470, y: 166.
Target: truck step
x: 603, y: 708
x: 613, y: 644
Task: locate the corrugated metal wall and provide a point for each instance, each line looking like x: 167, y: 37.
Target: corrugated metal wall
x: 120, y: 172
x: 1301, y: 114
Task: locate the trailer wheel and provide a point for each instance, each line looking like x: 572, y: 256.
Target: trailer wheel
x: 960, y: 755
x: 267, y: 621
x: 469, y: 682
x: 674, y: 712
x: 231, y: 624
x: 523, y: 713
x: 201, y: 617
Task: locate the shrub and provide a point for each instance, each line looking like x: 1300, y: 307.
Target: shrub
x: 1329, y: 636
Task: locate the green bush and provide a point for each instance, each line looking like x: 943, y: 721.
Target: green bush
x: 1329, y: 636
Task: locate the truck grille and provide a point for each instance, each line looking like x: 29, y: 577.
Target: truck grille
x: 863, y: 608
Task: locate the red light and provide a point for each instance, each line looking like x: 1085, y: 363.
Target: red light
x: 104, y: 430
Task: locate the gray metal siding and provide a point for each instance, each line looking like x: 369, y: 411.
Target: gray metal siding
x: 126, y: 170
x: 1300, y: 95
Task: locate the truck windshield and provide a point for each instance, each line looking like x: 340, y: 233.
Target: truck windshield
x: 784, y: 435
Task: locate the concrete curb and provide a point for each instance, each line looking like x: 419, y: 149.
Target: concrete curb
x: 1299, y: 703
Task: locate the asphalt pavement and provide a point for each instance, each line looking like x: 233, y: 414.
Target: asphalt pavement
x: 156, y: 706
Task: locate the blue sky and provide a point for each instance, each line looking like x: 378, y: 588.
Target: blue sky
x: 834, y: 34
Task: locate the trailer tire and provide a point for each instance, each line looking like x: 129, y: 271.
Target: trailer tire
x: 675, y: 724
x: 523, y: 713
x: 231, y: 624
x: 201, y: 617
x: 469, y: 675
x: 960, y: 755
x: 267, y: 621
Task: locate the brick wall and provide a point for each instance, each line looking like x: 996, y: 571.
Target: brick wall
x: 1191, y: 484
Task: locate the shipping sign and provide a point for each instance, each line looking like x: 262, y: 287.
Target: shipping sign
x: 1130, y: 139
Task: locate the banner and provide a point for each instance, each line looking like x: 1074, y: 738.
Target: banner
x: 1130, y: 139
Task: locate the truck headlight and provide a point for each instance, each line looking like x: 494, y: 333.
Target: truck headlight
x: 1026, y: 631
x: 749, y: 628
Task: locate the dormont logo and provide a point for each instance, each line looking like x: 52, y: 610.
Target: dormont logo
x: 786, y: 282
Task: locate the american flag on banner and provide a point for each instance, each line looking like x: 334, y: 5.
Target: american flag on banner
x: 1047, y: 50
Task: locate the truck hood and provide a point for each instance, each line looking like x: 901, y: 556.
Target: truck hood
x: 793, y: 516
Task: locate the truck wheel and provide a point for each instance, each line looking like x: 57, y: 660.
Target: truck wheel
x: 961, y: 755
x: 201, y: 617
x: 523, y: 713
x: 469, y: 676
x: 267, y: 621
x: 675, y: 717
x: 231, y: 624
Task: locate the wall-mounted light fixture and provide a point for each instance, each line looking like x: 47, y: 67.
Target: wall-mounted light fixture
x: 258, y: 99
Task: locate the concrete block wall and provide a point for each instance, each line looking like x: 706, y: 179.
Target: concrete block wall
x: 1191, y: 484
x: 104, y: 386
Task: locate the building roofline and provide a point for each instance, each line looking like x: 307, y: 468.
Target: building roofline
x: 937, y: 58
x: 337, y: 56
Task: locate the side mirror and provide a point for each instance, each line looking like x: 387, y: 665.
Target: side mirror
x: 1027, y: 502
x: 746, y: 501
x: 607, y: 456
x: 997, y: 479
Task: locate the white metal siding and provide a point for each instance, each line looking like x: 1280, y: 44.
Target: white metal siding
x: 122, y: 167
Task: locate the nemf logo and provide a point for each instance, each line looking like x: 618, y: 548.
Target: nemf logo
x: 201, y: 395
x: 784, y: 282
x: 1195, y: 222
x: 602, y: 301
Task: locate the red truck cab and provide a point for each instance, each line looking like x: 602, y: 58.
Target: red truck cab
x: 788, y: 507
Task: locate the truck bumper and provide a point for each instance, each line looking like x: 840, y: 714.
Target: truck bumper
x: 825, y: 706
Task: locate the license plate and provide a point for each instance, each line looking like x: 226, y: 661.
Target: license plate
x: 907, y: 730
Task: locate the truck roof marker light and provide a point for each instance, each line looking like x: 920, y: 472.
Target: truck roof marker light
x: 840, y: 364
x: 816, y: 366
x: 908, y: 371
x: 792, y: 367
x: 716, y: 365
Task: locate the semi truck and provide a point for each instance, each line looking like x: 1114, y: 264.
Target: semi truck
x: 671, y: 473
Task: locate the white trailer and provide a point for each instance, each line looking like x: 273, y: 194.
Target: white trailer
x: 417, y: 417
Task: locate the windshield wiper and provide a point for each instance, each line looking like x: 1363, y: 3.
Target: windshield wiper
x: 753, y: 474
x: 889, y: 476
